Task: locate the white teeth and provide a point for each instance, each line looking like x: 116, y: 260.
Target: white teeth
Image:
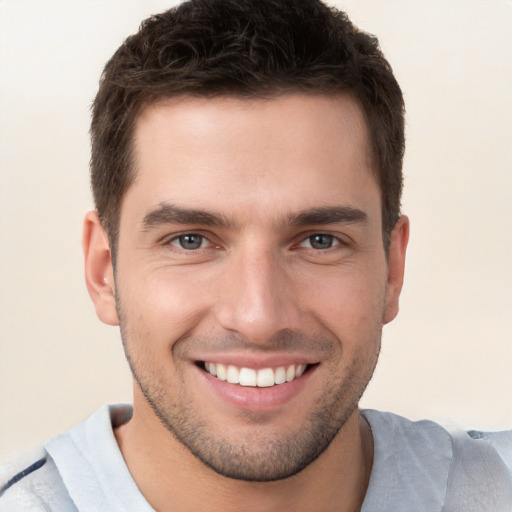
x: 221, y: 371
x: 263, y: 378
x: 247, y: 377
x: 280, y: 375
x: 299, y: 370
x: 233, y: 375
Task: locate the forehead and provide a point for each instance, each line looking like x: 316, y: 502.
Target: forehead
x: 296, y: 151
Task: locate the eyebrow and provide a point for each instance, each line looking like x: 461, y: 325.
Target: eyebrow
x: 172, y: 214
x: 328, y: 215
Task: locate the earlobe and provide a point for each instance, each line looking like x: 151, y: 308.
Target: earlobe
x: 99, y: 273
x: 396, y: 267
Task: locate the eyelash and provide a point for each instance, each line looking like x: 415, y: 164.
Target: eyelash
x: 335, y: 241
x: 174, y: 241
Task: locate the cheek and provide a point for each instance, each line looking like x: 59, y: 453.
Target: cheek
x: 161, y: 307
x: 350, y: 304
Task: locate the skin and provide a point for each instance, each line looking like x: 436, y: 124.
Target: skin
x: 257, y: 291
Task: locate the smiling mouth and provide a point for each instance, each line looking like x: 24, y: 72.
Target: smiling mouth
x: 262, y: 378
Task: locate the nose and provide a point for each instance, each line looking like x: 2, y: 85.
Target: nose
x: 258, y: 299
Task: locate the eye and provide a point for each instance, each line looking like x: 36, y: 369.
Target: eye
x: 190, y: 241
x: 320, y: 241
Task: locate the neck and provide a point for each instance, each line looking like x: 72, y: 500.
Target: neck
x: 171, y: 478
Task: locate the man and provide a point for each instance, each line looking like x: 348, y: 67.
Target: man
x: 246, y: 168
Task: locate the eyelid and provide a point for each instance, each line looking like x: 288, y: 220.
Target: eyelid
x: 169, y: 239
x: 175, y: 241
x: 336, y: 242
x: 338, y: 239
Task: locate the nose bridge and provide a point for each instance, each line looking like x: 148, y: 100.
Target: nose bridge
x: 257, y: 300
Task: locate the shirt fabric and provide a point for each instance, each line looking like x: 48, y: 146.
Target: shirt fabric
x: 418, y: 466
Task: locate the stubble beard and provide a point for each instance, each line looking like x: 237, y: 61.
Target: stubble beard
x: 261, y: 457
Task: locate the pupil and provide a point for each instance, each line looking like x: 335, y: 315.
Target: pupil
x: 191, y: 241
x: 321, y: 241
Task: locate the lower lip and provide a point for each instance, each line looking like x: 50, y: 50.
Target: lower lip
x: 256, y: 399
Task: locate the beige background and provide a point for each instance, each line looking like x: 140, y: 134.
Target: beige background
x: 448, y: 354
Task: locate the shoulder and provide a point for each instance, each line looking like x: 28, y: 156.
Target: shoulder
x: 31, y: 482
x: 481, y: 474
x: 461, y: 470
x: 80, y: 469
x: 500, y: 441
x: 427, y: 434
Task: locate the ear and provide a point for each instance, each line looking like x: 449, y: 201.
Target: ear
x: 99, y: 272
x: 396, y: 266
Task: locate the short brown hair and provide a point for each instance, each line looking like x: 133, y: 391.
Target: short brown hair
x: 245, y: 48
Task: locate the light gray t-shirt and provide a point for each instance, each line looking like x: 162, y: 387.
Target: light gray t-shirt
x: 418, y: 466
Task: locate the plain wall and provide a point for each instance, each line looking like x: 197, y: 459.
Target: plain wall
x: 448, y: 354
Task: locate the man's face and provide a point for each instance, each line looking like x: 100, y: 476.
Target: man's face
x: 251, y: 247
